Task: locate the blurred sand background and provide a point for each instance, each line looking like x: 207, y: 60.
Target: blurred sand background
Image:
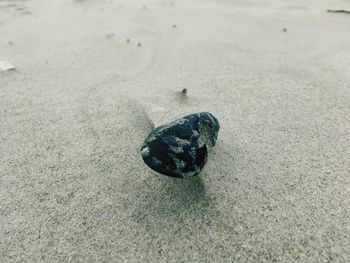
x: 73, y: 187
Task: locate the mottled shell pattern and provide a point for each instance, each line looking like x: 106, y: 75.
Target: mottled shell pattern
x: 180, y: 148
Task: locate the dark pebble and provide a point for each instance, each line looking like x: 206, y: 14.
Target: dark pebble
x: 180, y: 148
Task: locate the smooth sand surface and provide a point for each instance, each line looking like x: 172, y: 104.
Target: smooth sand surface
x: 73, y: 187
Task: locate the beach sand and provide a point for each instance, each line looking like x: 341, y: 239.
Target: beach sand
x: 73, y: 115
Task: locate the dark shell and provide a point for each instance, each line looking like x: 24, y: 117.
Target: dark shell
x: 180, y: 149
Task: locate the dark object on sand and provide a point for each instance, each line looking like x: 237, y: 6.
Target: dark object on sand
x: 174, y: 26
x: 284, y: 29
x: 110, y: 35
x: 338, y: 11
x: 180, y: 148
x: 139, y: 44
x: 127, y: 40
x: 184, y: 91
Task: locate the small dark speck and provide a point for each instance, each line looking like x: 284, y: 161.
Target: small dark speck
x: 109, y: 36
x: 338, y: 11
x: 10, y: 43
x: 139, y: 44
x: 127, y: 40
x: 284, y: 29
x: 174, y: 26
x: 184, y: 91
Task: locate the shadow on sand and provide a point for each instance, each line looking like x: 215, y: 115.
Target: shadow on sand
x: 170, y: 200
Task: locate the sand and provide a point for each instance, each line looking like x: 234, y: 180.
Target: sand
x: 73, y: 187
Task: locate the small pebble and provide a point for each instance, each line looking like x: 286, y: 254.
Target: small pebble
x: 184, y: 91
x: 284, y: 29
x: 139, y: 44
x: 181, y: 148
x: 174, y: 26
x: 6, y: 66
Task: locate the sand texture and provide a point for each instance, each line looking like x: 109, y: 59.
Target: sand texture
x: 93, y: 77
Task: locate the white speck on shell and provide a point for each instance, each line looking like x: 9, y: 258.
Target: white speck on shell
x: 145, y: 152
x: 156, y: 161
x: 182, y: 142
x: 175, y: 149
